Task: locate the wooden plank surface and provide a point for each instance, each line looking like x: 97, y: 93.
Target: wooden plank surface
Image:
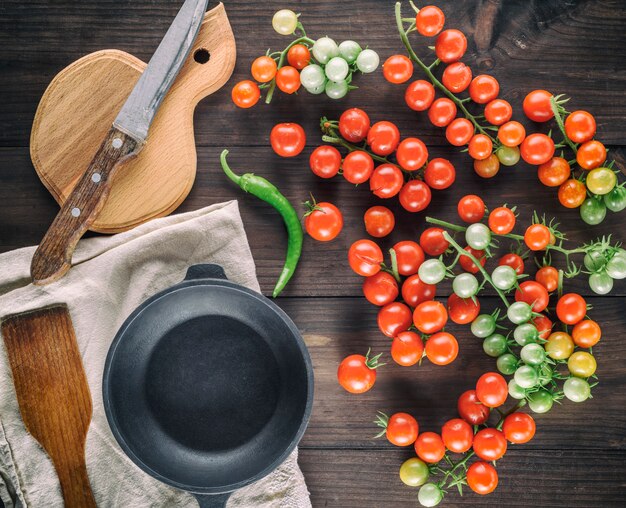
x: 566, y: 46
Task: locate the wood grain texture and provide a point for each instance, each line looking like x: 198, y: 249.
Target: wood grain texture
x: 53, y: 394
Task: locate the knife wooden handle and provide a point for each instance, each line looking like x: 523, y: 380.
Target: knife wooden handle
x: 53, y: 257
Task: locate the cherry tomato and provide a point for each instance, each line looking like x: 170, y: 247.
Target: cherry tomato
x: 409, y: 257
x: 537, y: 237
x: 459, y: 132
x: 379, y: 221
x: 489, y: 444
x: 548, y: 277
x: 498, y: 111
x: 432, y: 241
x: 456, y: 77
x: 412, y: 154
x: 358, y: 167
x: 502, y: 220
x: 288, y: 79
x: 580, y: 126
x: 534, y: 294
x: 357, y: 373
x: 462, y: 311
x: 471, y: 409
x: 429, y: 447
x: 429, y: 21
x: 407, y: 349
x: 537, y: 149
x: 543, y: 325
x: 299, y: 56
x: 471, y: 208
x: 487, y: 168
x: 554, y: 172
x: 394, y: 318
x: 571, y: 308
x: 492, y: 390
x: 484, y: 89
x: 324, y: 222
x: 466, y: 262
x: 288, y: 139
x: 511, y: 133
x: 354, y: 124
x: 457, y: 435
x: 430, y: 317
x: 480, y: 147
x: 572, y: 193
x: 519, y: 428
x: 325, y: 161
x: 591, y: 155
x: 365, y: 258
x: 380, y: 289
x: 264, y: 69
x: 442, y: 348
x: 513, y: 260
x: 482, y: 478
x: 450, y: 46
x: 586, y: 333
x: 442, y: 112
x: 383, y: 138
x: 386, y: 181
x: 415, y: 196
x: 398, y: 69
x: 419, y: 95
x: 402, y: 429
x: 439, y: 174
x: 537, y: 106
x: 246, y: 94
x: 415, y: 291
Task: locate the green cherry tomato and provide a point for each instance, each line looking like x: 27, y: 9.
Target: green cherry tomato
x: 525, y: 334
x: 432, y: 271
x: 582, y: 364
x: 594, y: 261
x: 324, y: 49
x: 312, y: 77
x: 429, y: 495
x: 519, y: 312
x: 478, y: 236
x: 285, y: 22
x: 593, y: 211
x: 533, y: 354
x: 601, y: 283
x: 367, y: 61
x: 336, y: 90
x: 316, y: 91
x: 616, y: 267
x: 495, y: 345
x: 516, y: 391
x: 508, y: 155
x: 540, y: 401
x: 526, y: 377
x: 616, y: 199
x: 483, y: 326
x: 414, y: 472
x: 465, y: 285
x: 601, y: 181
x: 545, y: 374
x: 337, y: 69
x: 507, y: 364
x: 576, y: 389
x: 504, y: 277
x: 349, y: 51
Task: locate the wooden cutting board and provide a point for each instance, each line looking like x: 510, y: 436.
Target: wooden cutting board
x: 81, y: 102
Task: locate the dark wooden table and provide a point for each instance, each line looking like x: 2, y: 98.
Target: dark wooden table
x: 572, y: 47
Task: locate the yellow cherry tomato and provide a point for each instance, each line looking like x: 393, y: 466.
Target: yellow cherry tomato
x: 559, y: 346
x: 582, y: 364
x: 601, y: 181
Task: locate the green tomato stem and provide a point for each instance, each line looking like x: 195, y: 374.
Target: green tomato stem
x: 559, y: 121
x: 337, y: 140
x: 394, y: 265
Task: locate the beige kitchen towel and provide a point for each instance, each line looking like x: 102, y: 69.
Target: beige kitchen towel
x: 113, y: 275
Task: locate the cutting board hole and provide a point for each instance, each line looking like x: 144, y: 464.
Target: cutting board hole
x: 202, y: 56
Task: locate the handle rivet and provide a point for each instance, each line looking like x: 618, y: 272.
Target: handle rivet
x: 117, y: 143
x: 76, y: 212
x: 96, y: 177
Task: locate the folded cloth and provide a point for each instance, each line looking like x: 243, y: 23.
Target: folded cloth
x: 110, y: 277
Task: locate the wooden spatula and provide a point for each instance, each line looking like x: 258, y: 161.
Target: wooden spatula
x: 52, y: 393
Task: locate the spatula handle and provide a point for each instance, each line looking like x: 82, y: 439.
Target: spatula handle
x: 54, y: 255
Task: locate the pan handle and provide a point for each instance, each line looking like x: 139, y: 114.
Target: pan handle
x: 198, y: 272
x: 212, y: 500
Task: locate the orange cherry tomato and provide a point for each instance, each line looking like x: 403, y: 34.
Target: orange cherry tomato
x: 519, y: 428
x: 572, y: 193
x: 394, y: 318
x: 537, y: 237
x: 487, y: 168
x: 383, y: 138
x: 419, y: 95
x: 288, y: 79
x: 354, y: 124
x: 537, y: 149
x: 398, y: 69
x: 402, y: 429
x: 357, y: 373
x: 498, y: 111
x: 480, y: 147
x: 429, y: 21
x: 580, y: 126
x: 459, y: 132
x: 442, y: 348
x: 380, y: 289
x: 492, y: 390
x: 379, y: 221
x: 537, y: 106
x: 325, y: 161
x: 484, y: 89
x: 548, y: 277
x: 429, y: 447
x: 482, y: 478
x: 409, y: 257
x: 587, y: 333
x: 299, y: 56
x: 502, y: 220
x: 457, y: 435
x: 442, y: 112
x: 386, y: 181
x: 456, y: 77
x: 288, y: 139
x: 407, y: 348
x: 246, y: 94
x: 471, y: 208
x: 450, y: 46
x: 430, y: 317
x: 264, y: 69
x: 415, y: 196
x: 358, y: 167
x: 412, y: 154
x: 439, y: 174
x: 571, y: 309
x: 324, y: 222
x: 591, y: 155
x: 489, y: 444
x: 462, y: 311
x: 511, y: 133
x: 365, y: 258
x: 554, y: 172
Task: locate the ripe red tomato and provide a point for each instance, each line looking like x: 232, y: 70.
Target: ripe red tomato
x: 519, y: 428
x: 466, y: 262
x: 480, y: 147
x: 354, y: 124
x: 394, y: 318
x: 462, y: 311
x: 324, y: 222
x: 459, y: 132
x: 432, y: 241
x: 537, y: 106
x: 548, y: 277
x: 430, y: 317
x: 264, y: 69
x: 383, y: 138
x: 511, y: 133
x: 580, y: 126
x: 471, y: 208
x: 402, y: 429
x: 484, y: 89
x: 419, y: 95
x: 471, y: 409
x: 554, y: 172
x: 543, y: 325
x: 365, y: 258
x: 358, y: 167
x: 409, y: 257
x: 571, y: 309
x: 412, y: 154
x: 325, y: 161
x: 534, y: 294
x: 591, y: 154
x: 379, y: 221
x: 537, y: 237
x: 288, y: 139
x: 586, y: 333
x: 415, y: 196
x: 537, y: 149
x: 456, y: 77
x: 492, y: 389
x: 288, y: 79
x: 407, y: 349
x: 482, y: 478
x: 502, y: 220
x: 450, y: 46
x: 439, y: 174
x: 572, y: 193
x: 246, y: 94
x: 414, y: 291
x: 299, y: 56
x: 498, y: 111
x: 429, y: 21
x: 386, y: 181
x: 429, y: 447
x: 442, y: 112
x: 380, y: 289
x: 398, y: 69
x: 513, y: 260
x: 457, y: 435
x: 357, y: 373
x: 490, y: 444
x: 487, y: 168
x: 442, y: 348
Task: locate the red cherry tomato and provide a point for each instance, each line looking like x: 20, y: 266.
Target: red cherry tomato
x: 459, y: 132
x: 534, y: 294
x: 398, y: 69
x: 456, y: 77
x: 414, y: 291
x: 471, y: 409
x: 554, y: 172
x: 537, y: 237
x: 466, y: 262
x: 288, y: 139
x: 402, y: 429
x: 246, y: 94
x: 471, y: 208
x: 299, y: 56
x: 394, y: 318
x: 442, y: 112
x: 489, y: 444
x: 415, y: 196
x: 356, y: 374
x: 482, y: 478
x: 379, y: 221
x: 430, y: 317
x: 380, y: 289
x: 407, y: 349
x: 419, y: 95
x: 429, y: 447
x: 548, y: 277
x: 537, y: 149
x: 354, y: 124
x: 571, y: 309
x: 442, y: 348
x: 537, y: 106
x: 264, y: 69
x: 591, y: 155
x: 511, y: 133
x: 513, y: 260
x: 429, y: 21
x: 580, y: 126
x: 432, y: 241
x: 572, y: 193
x: 386, y: 181
x: 543, y: 325
x: 498, y: 111
x: 480, y: 147
x: 358, y: 167
x: 462, y: 311
x: 492, y: 389
x: 324, y: 222
x: 412, y: 154
x: 484, y: 89
x: 457, y: 435
x: 409, y: 257
x: 502, y: 220
x: 325, y: 161
x: 365, y: 258
x: 439, y: 174
x: 450, y: 46
x: 288, y: 79
x: 519, y: 428
x: 383, y: 138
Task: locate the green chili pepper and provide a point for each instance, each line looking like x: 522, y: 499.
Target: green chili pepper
x: 263, y: 189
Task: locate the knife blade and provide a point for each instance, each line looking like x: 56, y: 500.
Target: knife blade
x: 125, y: 139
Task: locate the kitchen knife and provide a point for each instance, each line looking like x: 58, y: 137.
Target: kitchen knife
x: 126, y: 138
